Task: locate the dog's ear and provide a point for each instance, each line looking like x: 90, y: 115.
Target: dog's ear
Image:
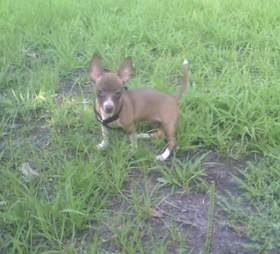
x: 125, y: 69
x: 95, y: 70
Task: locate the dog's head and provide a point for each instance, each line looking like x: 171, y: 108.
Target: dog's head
x: 109, y: 85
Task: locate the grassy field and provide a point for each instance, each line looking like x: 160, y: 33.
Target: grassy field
x: 79, y: 200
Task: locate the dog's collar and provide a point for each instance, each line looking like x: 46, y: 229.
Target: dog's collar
x: 108, y: 120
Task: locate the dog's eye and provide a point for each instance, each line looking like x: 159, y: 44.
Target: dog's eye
x: 99, y: 93
x: 117, y: 94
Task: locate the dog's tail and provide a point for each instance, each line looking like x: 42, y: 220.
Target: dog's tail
x: 184, y: 81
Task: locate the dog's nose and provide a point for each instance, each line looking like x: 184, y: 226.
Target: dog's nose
x: 108, y: 108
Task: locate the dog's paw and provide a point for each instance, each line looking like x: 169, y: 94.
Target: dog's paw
x: 133, y: 142
x: 164, y: 155
x: 143, y: 136
x: 133, y: 146
x: 160, y: 158
x: 101, y: 146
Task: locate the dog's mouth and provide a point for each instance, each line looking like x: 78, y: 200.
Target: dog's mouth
x: 109, y: 112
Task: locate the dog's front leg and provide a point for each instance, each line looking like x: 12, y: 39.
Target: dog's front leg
x: 132, y: 140
x: 105, y: 135
x: 132, y: 137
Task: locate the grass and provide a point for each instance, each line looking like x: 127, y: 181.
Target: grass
x: 260, y: 185
x: 211, y: 214
x: 232, y: 106
x: 184, y: 174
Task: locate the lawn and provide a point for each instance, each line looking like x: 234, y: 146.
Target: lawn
x: 219, y: 193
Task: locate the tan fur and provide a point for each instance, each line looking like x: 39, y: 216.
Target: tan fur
x: 139, y: 104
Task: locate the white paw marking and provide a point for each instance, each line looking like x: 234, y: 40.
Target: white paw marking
x: 102, y: 145
x: 143, y: 135
x: 164, y: 155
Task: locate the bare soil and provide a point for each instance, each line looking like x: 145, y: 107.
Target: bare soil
x: 188, y: 211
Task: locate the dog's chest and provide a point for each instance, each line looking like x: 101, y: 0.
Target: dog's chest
x: 114, y: 124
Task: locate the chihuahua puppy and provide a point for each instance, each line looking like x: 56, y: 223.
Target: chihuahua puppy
x: 119, y: 107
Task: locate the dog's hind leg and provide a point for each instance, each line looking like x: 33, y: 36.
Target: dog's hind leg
x: 155, y: 133
x: 169, y: 130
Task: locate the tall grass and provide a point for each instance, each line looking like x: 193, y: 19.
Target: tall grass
x: 232, y: 104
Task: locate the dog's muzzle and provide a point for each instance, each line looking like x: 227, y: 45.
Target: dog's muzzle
x: 108, y: 106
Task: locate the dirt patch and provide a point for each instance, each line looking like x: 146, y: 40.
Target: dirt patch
x: 40, y: 136
x: 187, y: 212
x: 75, y: 83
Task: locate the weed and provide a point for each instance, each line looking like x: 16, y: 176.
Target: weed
x: 231, y: 106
